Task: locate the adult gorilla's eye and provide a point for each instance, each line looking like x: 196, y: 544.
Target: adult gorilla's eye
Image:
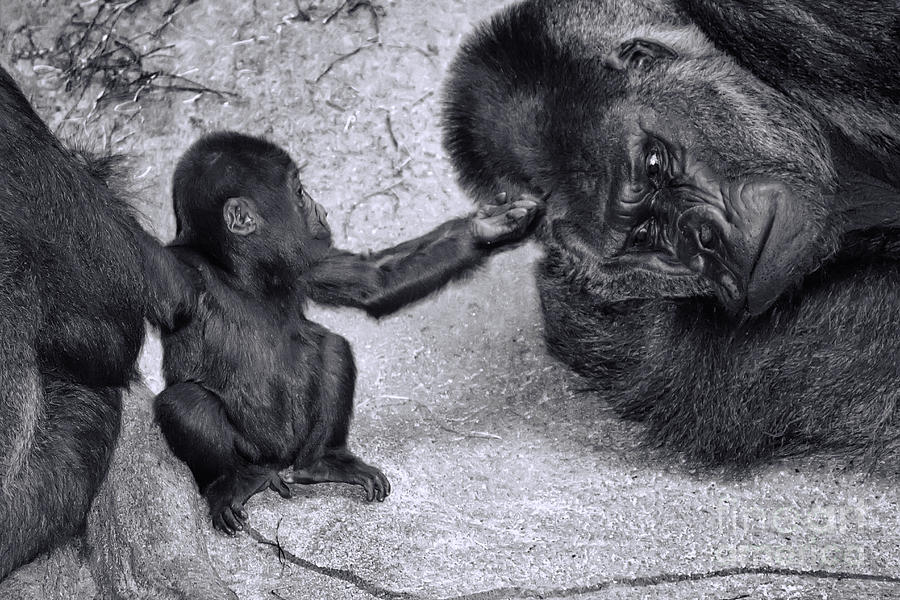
x: 653, y: 164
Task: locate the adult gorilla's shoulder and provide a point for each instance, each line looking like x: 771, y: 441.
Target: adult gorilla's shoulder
x: 840, y: 58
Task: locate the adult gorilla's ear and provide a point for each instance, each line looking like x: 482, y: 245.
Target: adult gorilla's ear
x: 241, y: 216
x: 638, y: 53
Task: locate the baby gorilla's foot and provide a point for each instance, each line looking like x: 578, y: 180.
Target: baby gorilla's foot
x: 227, y: 495
x: 228, y: 514
x: 342, y: 466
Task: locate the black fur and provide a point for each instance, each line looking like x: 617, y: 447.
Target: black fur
x: 812, y: 110
x: 817, y: 372
x: 846, y: 68
x: 74, y: 266
x: 253, y: 386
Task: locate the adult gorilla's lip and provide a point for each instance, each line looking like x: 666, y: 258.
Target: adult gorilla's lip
x: 657, y: 262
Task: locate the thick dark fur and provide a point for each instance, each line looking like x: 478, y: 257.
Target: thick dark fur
x: 816, y: 372
x: 530, y: 100
x: 254, y: 386
x: 847, y: 70
x: 73, y: 299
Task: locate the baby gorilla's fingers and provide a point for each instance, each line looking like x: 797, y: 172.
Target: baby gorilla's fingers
x: 517, y: 214
x: 486, y: 211
x: 528, y: 203
x: 499, y: 223
x: 523, y: 211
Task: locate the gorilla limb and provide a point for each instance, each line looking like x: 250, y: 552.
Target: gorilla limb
x: 77, y: 278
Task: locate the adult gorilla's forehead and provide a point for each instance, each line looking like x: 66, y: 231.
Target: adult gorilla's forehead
x: 728, y: 119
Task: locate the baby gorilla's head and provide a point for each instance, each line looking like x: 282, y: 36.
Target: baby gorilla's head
x: 236, y: 194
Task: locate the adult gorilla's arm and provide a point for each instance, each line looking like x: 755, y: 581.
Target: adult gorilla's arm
x: 840, y: 58
x: 171, y: 293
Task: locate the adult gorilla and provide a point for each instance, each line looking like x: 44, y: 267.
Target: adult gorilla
x: 74, y: 267
x: 721, y: 234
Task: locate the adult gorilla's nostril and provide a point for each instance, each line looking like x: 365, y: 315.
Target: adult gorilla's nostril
x: 706, y: 236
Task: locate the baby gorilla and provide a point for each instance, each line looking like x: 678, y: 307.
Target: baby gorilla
x: 253, y: 386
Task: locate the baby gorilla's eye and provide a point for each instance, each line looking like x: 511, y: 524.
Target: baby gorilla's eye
x: 301, y: 197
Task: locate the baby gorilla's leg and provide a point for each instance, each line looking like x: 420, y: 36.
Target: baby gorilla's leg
x: 334, y: 462
x: 197, y: 428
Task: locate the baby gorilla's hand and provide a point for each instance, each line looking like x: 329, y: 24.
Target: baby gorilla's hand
x: 500, y: 220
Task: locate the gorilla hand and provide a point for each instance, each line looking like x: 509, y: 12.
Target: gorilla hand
x: 503, y: 220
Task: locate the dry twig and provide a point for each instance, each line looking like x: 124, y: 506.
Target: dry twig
x: 92, y: 49
x: 339, y: 59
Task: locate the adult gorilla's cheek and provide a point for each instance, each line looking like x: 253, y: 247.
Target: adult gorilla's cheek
x: 755, y: 250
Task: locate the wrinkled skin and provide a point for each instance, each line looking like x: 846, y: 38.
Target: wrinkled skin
x: 672, y: 201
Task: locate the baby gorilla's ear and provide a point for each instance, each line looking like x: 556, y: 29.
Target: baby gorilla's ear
x: 241, y: 216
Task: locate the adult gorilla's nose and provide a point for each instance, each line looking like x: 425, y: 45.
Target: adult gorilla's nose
x: 754, y: 248
x: 702, y: 241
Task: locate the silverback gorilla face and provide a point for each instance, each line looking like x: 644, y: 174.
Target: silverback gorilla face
x: 695, y: 179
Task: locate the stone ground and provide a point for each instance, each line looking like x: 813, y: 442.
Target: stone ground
x: 509, y: 480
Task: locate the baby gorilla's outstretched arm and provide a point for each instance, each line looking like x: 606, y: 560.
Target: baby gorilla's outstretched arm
x: 383, y: 282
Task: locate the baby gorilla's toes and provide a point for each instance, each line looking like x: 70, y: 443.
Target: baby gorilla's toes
x: 342, y: 466
x: 382, y: 486
x: 229, y: 519
x: 374, y: 481
x: 277, y: 484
